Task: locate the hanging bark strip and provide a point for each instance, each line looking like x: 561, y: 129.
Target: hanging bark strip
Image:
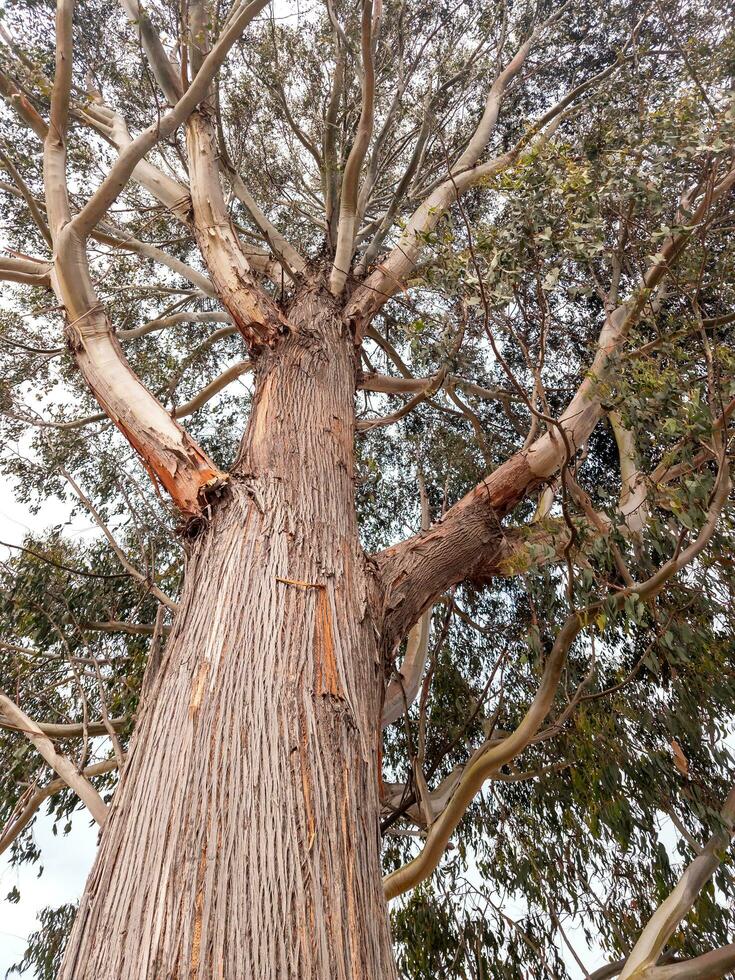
x: 326, y: 681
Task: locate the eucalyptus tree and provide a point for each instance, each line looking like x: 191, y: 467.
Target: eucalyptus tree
x: 440, y: 554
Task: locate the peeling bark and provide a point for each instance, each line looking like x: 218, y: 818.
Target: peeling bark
x: 172, y: 458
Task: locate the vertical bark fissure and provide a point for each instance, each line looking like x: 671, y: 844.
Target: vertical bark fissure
x: 243, y: 840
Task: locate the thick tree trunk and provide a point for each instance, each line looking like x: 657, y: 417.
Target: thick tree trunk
x: 243, y: 840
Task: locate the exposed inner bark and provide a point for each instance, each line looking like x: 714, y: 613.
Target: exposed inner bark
x: 243, y: 840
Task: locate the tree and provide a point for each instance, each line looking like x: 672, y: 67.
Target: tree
x: 455, y: 565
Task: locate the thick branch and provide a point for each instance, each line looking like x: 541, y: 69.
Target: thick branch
x: 27, y: 112
x: 33, y: 803
x: 254, y: 313
x: 282, y: 249
x: 710, y: 966
x: 170, y: 455
x: 633, y: 492
x: 164, y: 71
x: 121, y: 239
x: 29, y: 272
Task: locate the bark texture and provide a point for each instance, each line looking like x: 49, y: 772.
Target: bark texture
x: 243, y: 840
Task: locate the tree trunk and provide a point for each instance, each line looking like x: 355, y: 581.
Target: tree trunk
x: 243, y: 839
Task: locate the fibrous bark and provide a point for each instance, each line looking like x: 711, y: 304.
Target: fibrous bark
x: 243, y: 840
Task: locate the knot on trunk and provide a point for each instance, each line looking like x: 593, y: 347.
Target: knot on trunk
x: 209, y: 496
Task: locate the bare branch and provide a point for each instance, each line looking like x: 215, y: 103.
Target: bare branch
x: 679, y: 903
x: 633, y: 492
x: 330, y: 172
x: 123, y: 168
x: 213, y: 388
x: 476, y: 773
x: 255, y: 314
x: 119, y: 238
x: 29, y: 272
x: 22, y: 106
x: 115, y: 626
x: 350, y: 181
x: 59, y: 763
x: 173, y: 195
x: 162, y: 323
x: 282, y: 249
x: 73, y: 729
x: 165, y: 72
x: 28, y: 197
x: 37, y: 798
x: 710, y: 966
x: 121, y: 556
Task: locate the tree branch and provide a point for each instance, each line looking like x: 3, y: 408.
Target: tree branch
x: 59, y: 763
x: 164, y: 71
x: 33, y: 803
x: 495, y: 756
x: 29, y: 272
x: 468, y: 539
x: 255, y: 314
x: 633, y: 492
x: 710, y: 966
x: 390, y: 275
x: 169, y: 453
x: 346, y: 226
x: 120, y: 554
x: 123, y: 168
x: 402, y: 691
x: 665, y: 920
x: 72, y: 730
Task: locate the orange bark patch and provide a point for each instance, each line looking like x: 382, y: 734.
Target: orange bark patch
x: 327, y: 680
x: 196, y: 942
x: 306, y: 784
x: 197, y: 688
